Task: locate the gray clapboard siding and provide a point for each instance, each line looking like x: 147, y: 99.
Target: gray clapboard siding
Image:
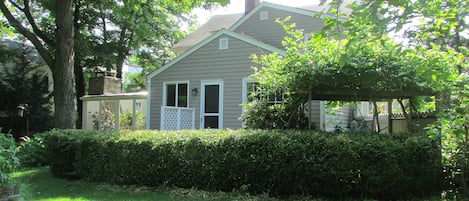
x: 271, y: 32
x: 209, y: 63
x: 315, y: 113
x: 340, y: 118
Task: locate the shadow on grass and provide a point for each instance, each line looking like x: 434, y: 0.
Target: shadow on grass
x: 38, y: 185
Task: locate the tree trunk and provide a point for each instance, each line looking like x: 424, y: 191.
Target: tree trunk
x: 78, y: 68
x: 80, y: 91
x: 63, y: 74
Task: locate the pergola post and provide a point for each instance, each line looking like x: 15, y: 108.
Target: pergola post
x: 134, y: 115
x: 390, y: 116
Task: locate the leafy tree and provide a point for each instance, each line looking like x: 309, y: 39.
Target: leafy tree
x: 23, y: 83
x: 56, y: 48
x: 440, y: 25
x: 432, y: 53
x: 105, y: 36
x: 341, y: 69
x: 134, y: 82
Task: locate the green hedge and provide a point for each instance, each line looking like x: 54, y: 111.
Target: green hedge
x: 274, y: 162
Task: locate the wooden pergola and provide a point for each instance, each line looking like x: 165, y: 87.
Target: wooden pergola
x: 326, y: 94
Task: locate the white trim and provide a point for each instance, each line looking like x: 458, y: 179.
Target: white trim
x: 84, y: 115
x: 223, y: 43
x: 244, y: 97
x: 264, y: 15
x: 117, y: 114
x: 244, y: 90
x: 307, y: 37
x: 123, y: 96
x: 177, y: 88
x: 273, y: 6
x: 134, y: 114
x: 322, y: 115
x: 220, y: 84
x: 148, y: 104
x: 211, y: 38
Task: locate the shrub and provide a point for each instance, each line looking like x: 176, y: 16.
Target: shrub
x: 275, y: 162
x: 32, y: 151
x: 8, y: 160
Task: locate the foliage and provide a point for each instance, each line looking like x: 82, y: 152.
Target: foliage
x: 103, y: 121
x: 104, y: 37
x: 345, y: 69
x: 437, y: 26
x: 23, y: 81
x: 55, y: 47
x: 126, y: 119
x: 134, y: 82
x: 147, y: 38
x: 8, y: 160
x: 277, y: 162
x: 263, y: 114
x: 32, y: 151
x: 369, y: 67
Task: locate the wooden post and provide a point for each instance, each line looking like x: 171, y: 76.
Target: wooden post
x: 389, y: 116
x: 375, y: 117
x: 117, y: 113
x: 134, y: 115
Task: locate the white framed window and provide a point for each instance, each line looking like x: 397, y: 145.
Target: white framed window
x: 249, y: 89
x: 223, y: 43
x: 307, y: 37
x: 176, y: 94
x: 264, y: 15
x: 251, y: 92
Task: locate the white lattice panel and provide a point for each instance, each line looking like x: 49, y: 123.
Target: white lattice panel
x: 170, y: 120
x: 173, y: 118
x: 186, y: 119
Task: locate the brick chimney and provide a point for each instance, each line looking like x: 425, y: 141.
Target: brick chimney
x: 250, y: 5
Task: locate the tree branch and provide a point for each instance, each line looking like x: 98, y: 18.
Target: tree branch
x: 43, y: 51
x: 39, y: 33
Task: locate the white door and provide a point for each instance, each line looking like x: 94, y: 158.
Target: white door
x: 211, y: 104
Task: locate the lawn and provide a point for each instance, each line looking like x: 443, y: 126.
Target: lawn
x: 38, y: 185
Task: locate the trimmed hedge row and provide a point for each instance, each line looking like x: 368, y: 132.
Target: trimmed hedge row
x: 274, y: 162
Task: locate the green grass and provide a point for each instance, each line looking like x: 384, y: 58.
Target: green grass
x: 38, y: 185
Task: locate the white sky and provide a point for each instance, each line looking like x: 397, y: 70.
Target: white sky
x: 237, y: 6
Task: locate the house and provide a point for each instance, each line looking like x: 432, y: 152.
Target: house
x: 206, y: 84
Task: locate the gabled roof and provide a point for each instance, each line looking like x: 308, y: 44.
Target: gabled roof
x: 211, y: 38
x: 326, y: 8
x: 213, y: 25
x: 231, y: 21
x: 302, y: 11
